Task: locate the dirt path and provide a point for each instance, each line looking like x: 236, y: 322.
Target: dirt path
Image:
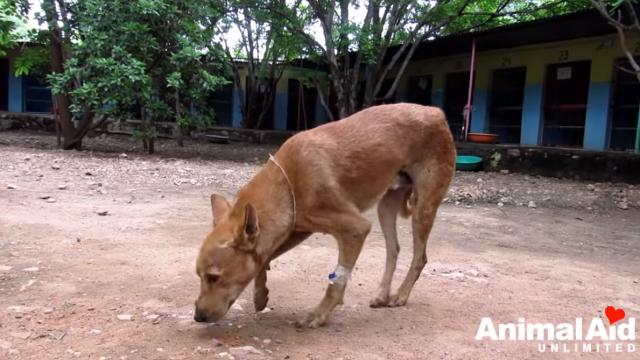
x: 69, y: 276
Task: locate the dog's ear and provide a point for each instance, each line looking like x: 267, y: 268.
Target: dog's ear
x: 250, y: 229
x: 219, y: 207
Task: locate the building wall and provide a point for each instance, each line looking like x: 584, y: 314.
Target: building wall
x: 16, y: 103
x: 281, y: 97
x: 17, y: 88
x: 601, y: 51
x: 25, y: 92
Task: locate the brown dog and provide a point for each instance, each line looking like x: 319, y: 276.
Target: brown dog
x: 322, y: 180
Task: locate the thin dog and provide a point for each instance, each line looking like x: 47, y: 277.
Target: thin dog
x: 400, y: 156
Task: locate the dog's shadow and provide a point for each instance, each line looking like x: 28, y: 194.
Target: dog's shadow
x: 280, y: 324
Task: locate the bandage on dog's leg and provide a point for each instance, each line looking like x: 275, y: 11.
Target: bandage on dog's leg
x: 340, y: 275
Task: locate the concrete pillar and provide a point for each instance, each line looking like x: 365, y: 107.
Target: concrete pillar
x: 480, y: 113
x: 437, y: 97
x: 320, y: 116
x: 437, y: 90
x: 531, y: 130
x: 280, y: 106
x: 16, y: 93
x: 480, y: 102
x: 596, y: 128
x: 236, y: 110
x: 597, y: 123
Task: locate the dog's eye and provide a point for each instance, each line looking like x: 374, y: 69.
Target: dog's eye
x: 212, y: 278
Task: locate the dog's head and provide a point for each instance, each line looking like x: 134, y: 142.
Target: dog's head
x: 227, y: 261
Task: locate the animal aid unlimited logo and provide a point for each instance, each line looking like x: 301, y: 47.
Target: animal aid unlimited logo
x: 579, y: 336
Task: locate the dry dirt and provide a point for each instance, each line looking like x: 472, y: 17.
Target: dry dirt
x: 71, y: 273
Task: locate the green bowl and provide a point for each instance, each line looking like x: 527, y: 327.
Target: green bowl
x: 468, y: 162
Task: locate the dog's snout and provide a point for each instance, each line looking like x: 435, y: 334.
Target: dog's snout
x: 199, y: 316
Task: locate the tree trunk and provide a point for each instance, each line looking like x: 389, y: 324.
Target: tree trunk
x: 179, y: 136
x: 62, y: 101
x: 147, y: 124
x: 178, y: 128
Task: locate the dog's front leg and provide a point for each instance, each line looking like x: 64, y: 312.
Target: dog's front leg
x: 350, y: 234
x: 260, y: 290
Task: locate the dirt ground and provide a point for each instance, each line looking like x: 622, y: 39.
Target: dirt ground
x: 97, y: 259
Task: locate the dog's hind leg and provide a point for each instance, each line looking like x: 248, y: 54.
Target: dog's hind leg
x: 430, y: 187
x: 388, y: 208
x: 260, y: 290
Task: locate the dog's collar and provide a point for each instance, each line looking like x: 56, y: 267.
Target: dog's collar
x: 293, y: 196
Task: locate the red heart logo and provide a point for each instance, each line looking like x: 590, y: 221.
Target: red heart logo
x: 614, y: 315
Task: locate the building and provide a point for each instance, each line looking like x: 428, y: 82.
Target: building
x: 551, y: 82
x: 296, y: 105
x: 22, y: 94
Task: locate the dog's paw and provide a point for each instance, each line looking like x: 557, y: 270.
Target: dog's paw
x: 312, y: 320
x: 397, y: 300
x: 260, y: 300
x: 379, y: 302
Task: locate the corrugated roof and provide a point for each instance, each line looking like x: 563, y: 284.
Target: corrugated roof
x: 587, y: 23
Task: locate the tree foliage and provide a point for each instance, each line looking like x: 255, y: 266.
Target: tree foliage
x: 160, y: 59
x: 263, y: 49
x: 363, y: 48
x: 13, y: 25
x: 624, y: 16
x: 153, y: 60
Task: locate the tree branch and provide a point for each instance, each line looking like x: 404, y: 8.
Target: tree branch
x: 323, y: 101
x: 621, y: 28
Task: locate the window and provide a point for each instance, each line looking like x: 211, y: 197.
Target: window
x: 507, y: 95
x: 37, y: 96
x: 420, y: 89
x: 455, y: 98
x: 565, y: 103
x: 624, y: 117
x: 222, y: 102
